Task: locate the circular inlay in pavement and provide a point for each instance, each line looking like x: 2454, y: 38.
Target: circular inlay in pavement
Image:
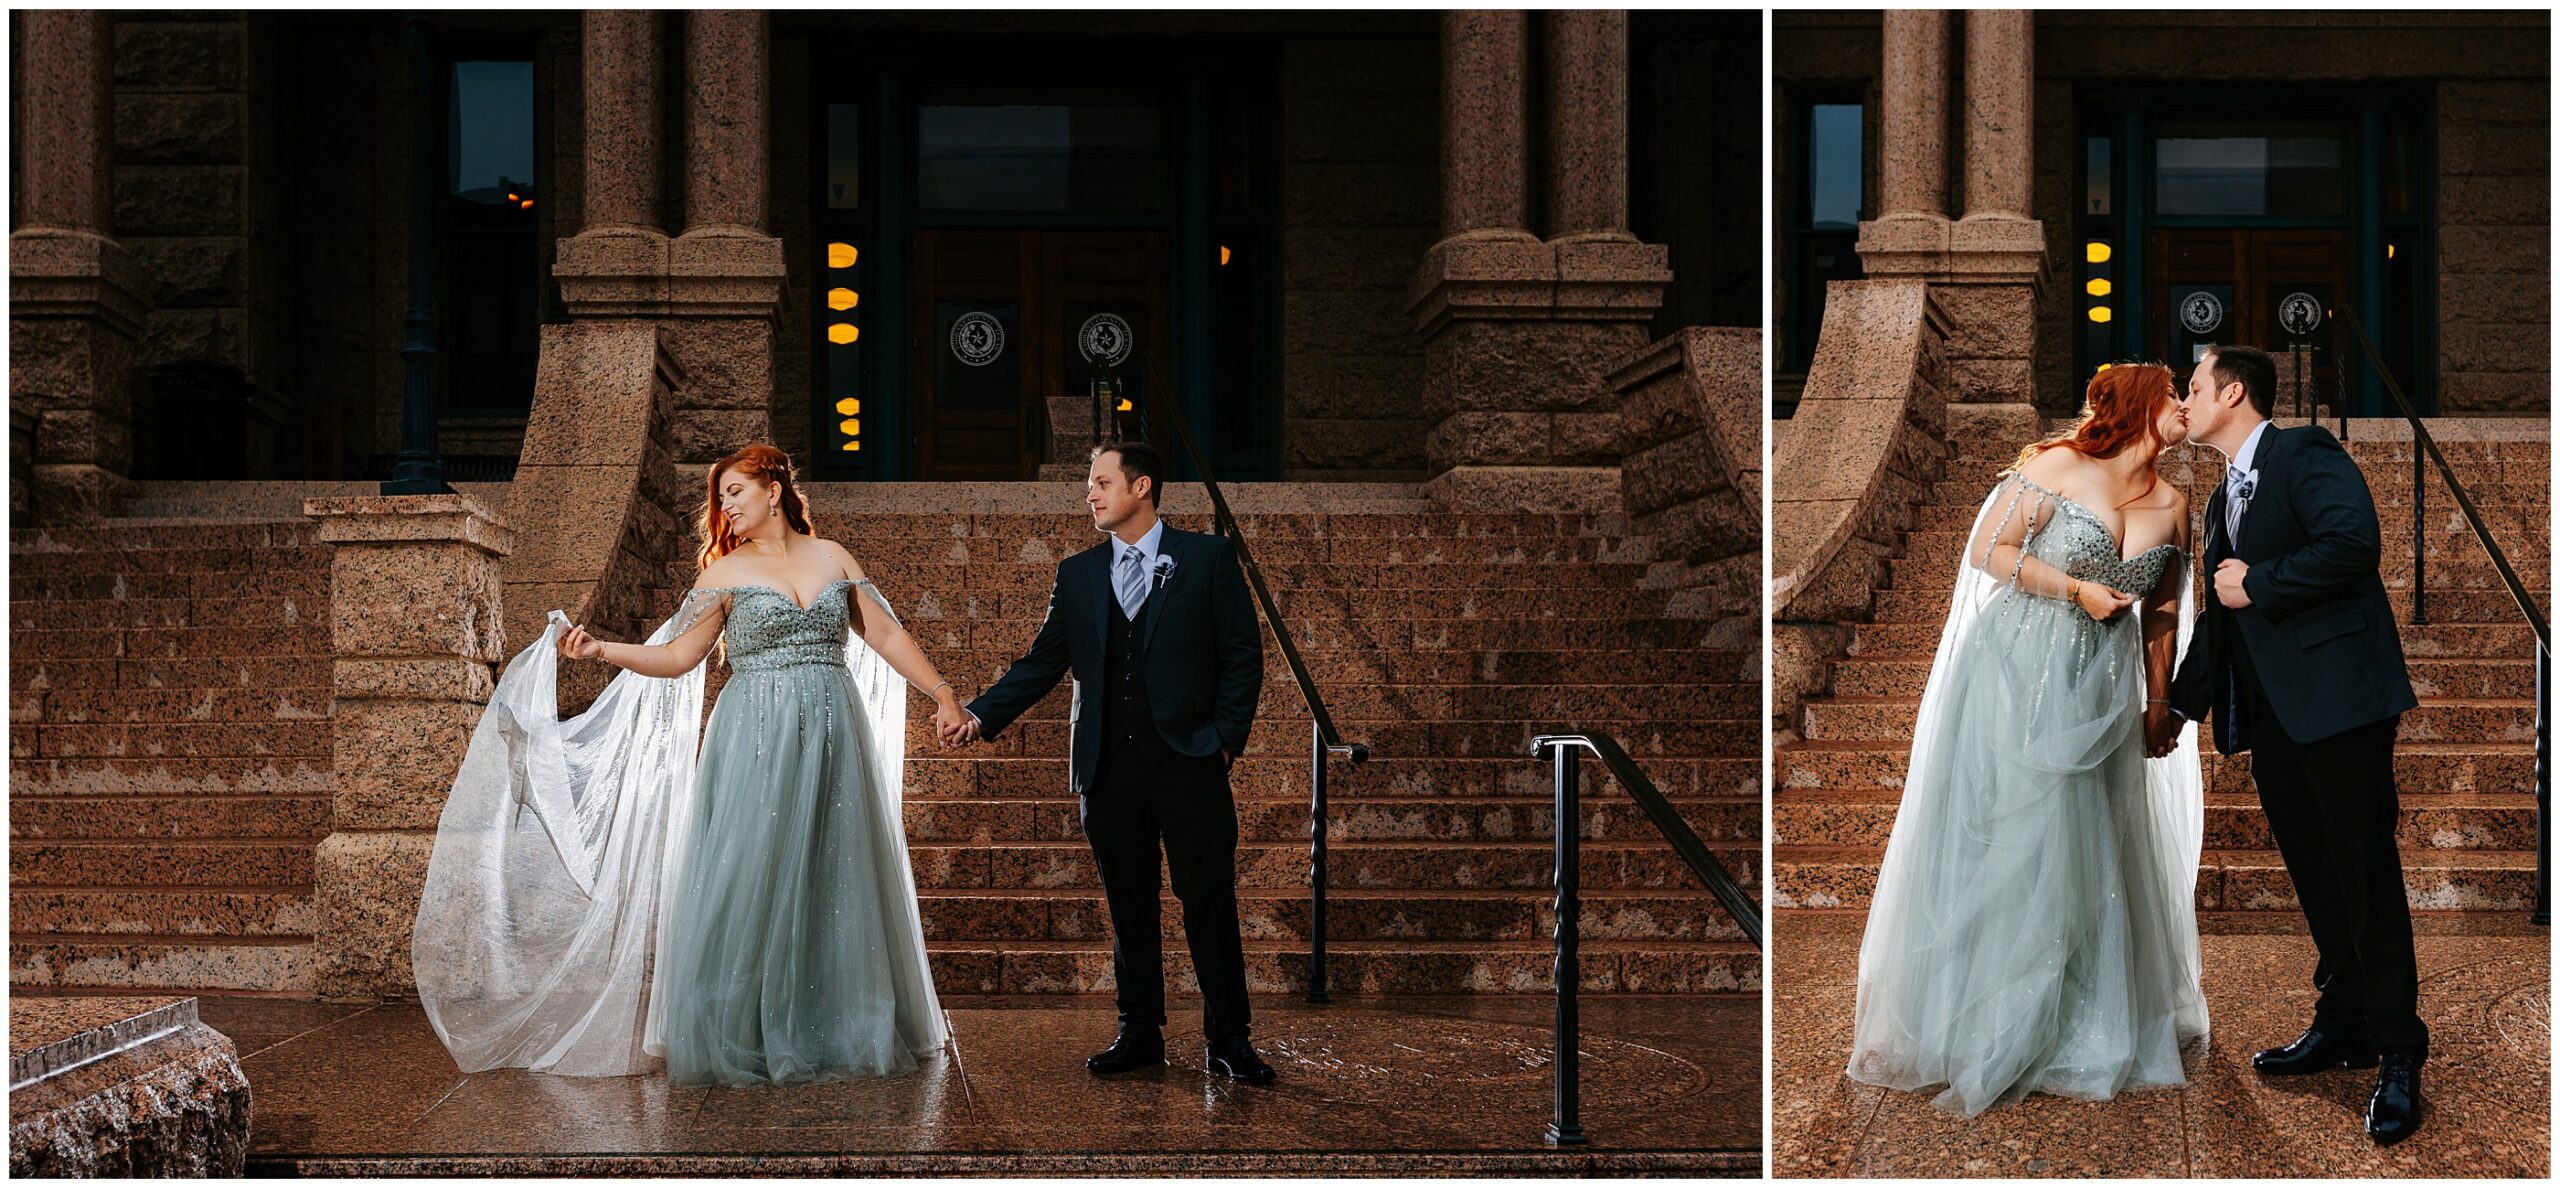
x: 1375, y: 1055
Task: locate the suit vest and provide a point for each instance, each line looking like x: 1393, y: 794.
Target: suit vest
x: 1128, y: 716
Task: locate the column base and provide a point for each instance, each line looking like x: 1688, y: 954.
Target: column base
x: 716, y: 293
x: 1539, y: 490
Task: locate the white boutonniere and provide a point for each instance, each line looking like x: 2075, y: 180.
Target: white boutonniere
x: 1164, y: 571
x: 2247, y: 491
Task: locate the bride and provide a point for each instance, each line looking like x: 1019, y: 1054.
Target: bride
x: 2033, y: 926
x: 602, y: 896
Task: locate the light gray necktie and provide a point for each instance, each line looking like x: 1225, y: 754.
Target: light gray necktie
x: 2237, y: 490
x: 1129, y: 578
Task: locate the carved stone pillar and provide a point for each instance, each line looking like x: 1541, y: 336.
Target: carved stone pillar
x: 715, y: 291
x: 76, y: 298
x: 413, y: 586
x: 1984, y: 269
x: 1521, y: 333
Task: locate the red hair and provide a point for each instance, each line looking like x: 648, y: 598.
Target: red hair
x: 2121, y: 409
x: 762, y: 463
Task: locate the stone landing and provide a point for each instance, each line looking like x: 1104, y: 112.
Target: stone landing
x: 1386, y: 1086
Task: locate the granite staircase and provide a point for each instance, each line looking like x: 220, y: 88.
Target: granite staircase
x: 169, y: 700
x: 1442, y: 641
x: 2465, y: 760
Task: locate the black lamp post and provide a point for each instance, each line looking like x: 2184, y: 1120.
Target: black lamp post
x: 420, y: 469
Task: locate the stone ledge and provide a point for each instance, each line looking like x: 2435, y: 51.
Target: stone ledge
x: 123, y: 1087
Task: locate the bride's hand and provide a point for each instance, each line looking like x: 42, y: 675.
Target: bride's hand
x: 2101, y: 601
x: 578, y: 645
x: 2159, y: 730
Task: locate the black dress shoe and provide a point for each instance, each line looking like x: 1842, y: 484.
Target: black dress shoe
x: 1137, y: 1047
x: 1235, y: 1059
x: 2397, y: 1108
x: 2316, y: 1051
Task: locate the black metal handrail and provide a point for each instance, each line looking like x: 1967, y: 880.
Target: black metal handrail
x: 1566, y: 751
x: 2426, y: 450
x: 1325, y: 741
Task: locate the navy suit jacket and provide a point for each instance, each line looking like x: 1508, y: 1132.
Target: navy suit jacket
x: 1202, y: 649
x: 2318, y: 627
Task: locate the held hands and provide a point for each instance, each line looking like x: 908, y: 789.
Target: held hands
x: 2160, y: 727
x: 952, y: 725
x: 2101, y: 601
x: 2227, y: 582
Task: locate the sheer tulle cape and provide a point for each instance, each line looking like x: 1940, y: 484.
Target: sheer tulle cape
x: 539, y: 924
x: 2033, y: 924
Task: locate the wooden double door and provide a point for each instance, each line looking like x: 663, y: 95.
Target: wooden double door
x: 1012, y: 328
x: 2263, y: 287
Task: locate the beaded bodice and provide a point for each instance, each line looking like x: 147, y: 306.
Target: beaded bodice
x: 766, y: 630
x: 2077, y: 542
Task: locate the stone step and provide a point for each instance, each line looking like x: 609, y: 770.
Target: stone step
x: 1863, y: 817
x: 269, y: 863
x: 294, y: 559
x: 206, y: 965
x: 2447, y: 555
x: 126, y: 818
x: 233, y: 776
x: 2505, y: 637
x: 172, y: 739
x: 262, y: 913
x: 2445, y: 720
x: 1377, y: 866
x: 126, y: 534
x: 308, y: 637
x: 1350, y: 916
x: 1607, y: 815
x: 1387, y: 637
x: 1044, y: 551
x: 1370, y: 609
x: 94, y: 614
x: 2227, y: 880
x: 308, y: 587
x: 74, y: 703
x: 1068, y: 529
x: 1646, y: 740
x: 2420, y: 769
x: 1366, y: 967
x: 221, y: 672
x: 2433, y: 679
x: 1283, y: 776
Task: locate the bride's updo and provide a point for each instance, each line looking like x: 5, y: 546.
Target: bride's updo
x: 2121, y: 408
x: 765, y: 464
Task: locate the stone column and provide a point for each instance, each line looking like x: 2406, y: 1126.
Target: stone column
x: 1586, y: 73
x: 624, y: 76
x: 714, y: 292
x: 413, y: 589
x: 76, y: 298
x: 1484, y: 125
x: 1521, y: 333
x: 1984, y: 269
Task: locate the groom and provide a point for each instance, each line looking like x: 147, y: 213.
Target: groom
x: 1168, y: 667
x: 2297, y: 658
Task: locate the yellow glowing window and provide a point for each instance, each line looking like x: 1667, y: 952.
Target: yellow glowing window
x: 843, y: 299
x: 852, y: 428
x: 2100, y: 313
x: 1224, y: 255
x: 843, y: 332
x: 2099, y: 253
x: 841, y: 255
x: 2100, y: 287
x: 848, y: 406
x: 851, y: 447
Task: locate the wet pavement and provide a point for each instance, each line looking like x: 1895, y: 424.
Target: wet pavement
x: 2484, y: 992
x: 1369, y: 1085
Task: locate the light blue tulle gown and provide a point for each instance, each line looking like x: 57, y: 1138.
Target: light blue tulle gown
x: 2033, y: 926
x: 792, y: 950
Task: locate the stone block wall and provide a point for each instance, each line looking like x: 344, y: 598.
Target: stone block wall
x: 1691, y: 476
x: 1360, y: 121
x: 200, y: 170
x: 2493, y: 245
